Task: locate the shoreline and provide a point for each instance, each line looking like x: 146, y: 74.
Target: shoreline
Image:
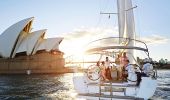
x: 163, y: 66
x: 44, y: 71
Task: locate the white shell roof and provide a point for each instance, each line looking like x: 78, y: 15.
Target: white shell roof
x: 37, y: 45
x: 30, y: 41
x: 56, y: 47
x: 54, y: 43
x: 17, y: 38
x: 20, y: 39
x: 9, y: 37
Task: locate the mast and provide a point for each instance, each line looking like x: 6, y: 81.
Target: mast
x: 126, y: 24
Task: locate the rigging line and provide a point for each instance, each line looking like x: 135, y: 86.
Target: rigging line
x: 105, y: 5
x: 100, y: 16
x: 138, y: 24
x: 99, y: 21
x: 114, y: 22
x: 104, y: 23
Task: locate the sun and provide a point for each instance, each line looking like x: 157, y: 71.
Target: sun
x: 73, y: 47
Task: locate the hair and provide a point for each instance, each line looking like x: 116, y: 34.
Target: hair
x: 103, y: 62
x: 124, y: 53
x: 127, y: 60
x: 98, y: 63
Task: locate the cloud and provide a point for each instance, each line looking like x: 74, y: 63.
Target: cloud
x: 90, y: 32
x: 155, y: 39
x: 86, y: 35
x: 79, y: 38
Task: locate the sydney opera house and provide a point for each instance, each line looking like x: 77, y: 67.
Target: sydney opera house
x: 22, y: 50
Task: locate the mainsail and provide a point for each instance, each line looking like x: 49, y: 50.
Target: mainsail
x: 121, y: 17
x: 126, y: 22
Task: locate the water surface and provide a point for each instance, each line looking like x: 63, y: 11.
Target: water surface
x: 59, y: 86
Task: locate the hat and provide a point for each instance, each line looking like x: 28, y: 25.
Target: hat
x: 147, y: 60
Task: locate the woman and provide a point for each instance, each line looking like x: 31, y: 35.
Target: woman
x: 103, y: 70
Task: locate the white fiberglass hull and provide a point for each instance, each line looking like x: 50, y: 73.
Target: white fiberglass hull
x: 91, y: 89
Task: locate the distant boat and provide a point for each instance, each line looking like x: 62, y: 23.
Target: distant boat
x: 91, y: 86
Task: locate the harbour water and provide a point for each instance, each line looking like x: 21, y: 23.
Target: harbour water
x: 59, y: 87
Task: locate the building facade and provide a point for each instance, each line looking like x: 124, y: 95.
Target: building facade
x: 22, y: 50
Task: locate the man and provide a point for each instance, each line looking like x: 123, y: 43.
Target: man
x: 107, y: 62
x: 134, y: 75
x: 108, y: 69
x: 147, y: 68
x: 131, y: 75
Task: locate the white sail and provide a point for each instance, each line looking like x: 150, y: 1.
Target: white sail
x: 130, y: 24
x: 121, y: 16
x: 130, y: 27
x: 126, y: 23
x: 126, y: 19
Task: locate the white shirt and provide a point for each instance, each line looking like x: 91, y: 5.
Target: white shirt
x: 131, y: 73
x: 130, y: 68
x: 107, y: 64
x: 147, y: 68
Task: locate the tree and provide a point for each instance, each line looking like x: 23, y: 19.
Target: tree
x: 166, y: 61
x: 162, y: 61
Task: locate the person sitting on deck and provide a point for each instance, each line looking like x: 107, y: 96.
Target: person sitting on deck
x: 119, y: 68
x: 117, y: 60
x: 123, y: 59
x: 147, y: 69
x: 134, y: 73
x: 98, y: 64
x: 103, y: 71
x: 129, y: 73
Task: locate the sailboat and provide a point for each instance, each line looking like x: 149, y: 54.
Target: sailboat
x: 90, y: 84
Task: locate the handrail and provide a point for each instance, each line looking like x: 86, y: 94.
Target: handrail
x: 116, y: 47
x: 119, y: 38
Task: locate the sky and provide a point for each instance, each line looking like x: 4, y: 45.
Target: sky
x: 80, y: 21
